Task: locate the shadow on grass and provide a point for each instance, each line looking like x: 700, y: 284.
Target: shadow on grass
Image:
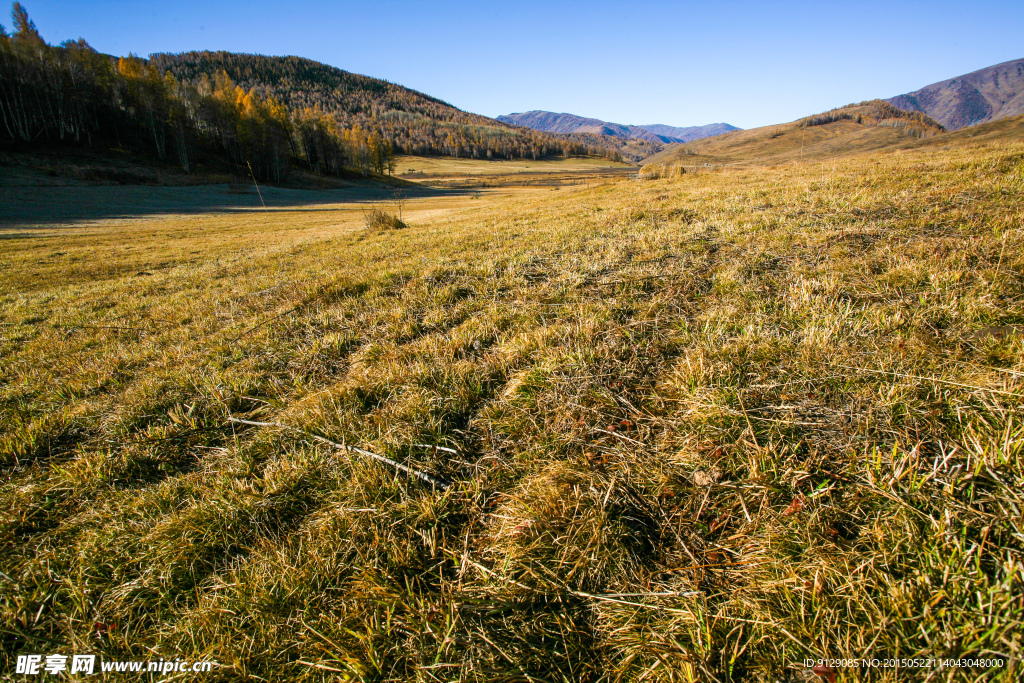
x: 30, y: 207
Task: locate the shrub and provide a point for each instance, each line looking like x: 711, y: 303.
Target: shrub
x: 379, y: 219
x: 656, y: 171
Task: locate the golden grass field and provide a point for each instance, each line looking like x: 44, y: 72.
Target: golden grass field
x: 444, y: 167
x: 690, y: 429
x: 477, y: 174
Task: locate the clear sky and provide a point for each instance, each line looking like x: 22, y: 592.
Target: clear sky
x: 637, y: 62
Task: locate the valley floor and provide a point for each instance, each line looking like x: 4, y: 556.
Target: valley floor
x: 704, y: 428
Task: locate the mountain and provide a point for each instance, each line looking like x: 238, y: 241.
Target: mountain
x: 985, y: 95
x: 571, y: 123
x: 414, y: 123
x: 851, y: 129
x: 565, y: 124
x: 686, y: 134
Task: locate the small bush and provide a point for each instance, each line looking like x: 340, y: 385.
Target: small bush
x: 379, y: 219
x: 655, y: 172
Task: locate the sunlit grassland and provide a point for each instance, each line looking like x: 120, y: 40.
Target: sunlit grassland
x: 414, y: 167
x: 704, y: 428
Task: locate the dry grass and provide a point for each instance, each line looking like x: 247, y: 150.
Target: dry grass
x: 700, y: 428
x: 479, y: 174
x: 784, y: 144
x: 448, y: 167
x: 380, y: 219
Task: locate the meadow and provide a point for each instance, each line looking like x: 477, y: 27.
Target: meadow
x: 445, y: 167
x: 701, y: 428
x: 474, y: 174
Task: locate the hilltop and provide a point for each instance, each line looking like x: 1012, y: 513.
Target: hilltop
x: 571, y: 123
x: 984, y: 95
x: 852, y: 129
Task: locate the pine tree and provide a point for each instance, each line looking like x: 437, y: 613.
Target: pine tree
x: 24, y: 28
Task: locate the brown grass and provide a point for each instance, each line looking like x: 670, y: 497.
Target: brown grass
x: 865, y: 128
x: 698, y: 429
x: 380, y: 219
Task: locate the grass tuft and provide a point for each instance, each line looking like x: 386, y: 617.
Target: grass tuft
x: 379, y: 219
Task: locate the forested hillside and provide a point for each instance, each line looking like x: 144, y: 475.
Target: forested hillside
x: 270, y: 113
x: 412, y: 122
x: 616, y: 148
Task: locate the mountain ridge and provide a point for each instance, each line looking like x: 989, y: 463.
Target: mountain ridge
x: 566, y: 123
x: 988, y: 94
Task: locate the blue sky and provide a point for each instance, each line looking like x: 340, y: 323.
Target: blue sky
x: 678, y: 63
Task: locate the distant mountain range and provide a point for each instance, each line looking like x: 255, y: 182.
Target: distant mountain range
x: 550, y: 122
x: 989, y: 94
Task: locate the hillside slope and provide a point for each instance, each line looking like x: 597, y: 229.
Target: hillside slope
x: 848, y: 130
x: 552, y: 122
x: 1009, y: 129
x: 413, y: 122
x: 984, y: 95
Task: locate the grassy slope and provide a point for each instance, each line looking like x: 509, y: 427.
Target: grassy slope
x: 666, y: 468
x: 1005, y: 130
x: 785, y: 143
x: 789, y: 142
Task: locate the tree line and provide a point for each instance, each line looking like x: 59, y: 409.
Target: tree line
x: 879, y: 113
x: 267, y: 113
